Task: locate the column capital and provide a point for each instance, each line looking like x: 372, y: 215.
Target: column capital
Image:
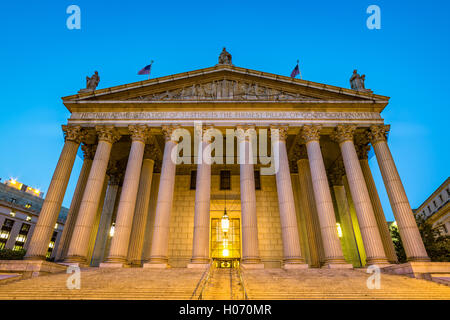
x: 73, y: 133
x: 243, y: 132
x: 168, y: 132
x: 107, y: 133
x: 282, y: 131
x: 378, y: 133
x: 337, y: 173
x: 206, y: 133
x: 343, y: 133
x: 88, y: 151
x: 362, y: 146
x: 139, y: 132
x: 310, y: 133
x: 152, y: 152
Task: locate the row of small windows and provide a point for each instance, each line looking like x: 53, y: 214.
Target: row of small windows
x: 435, y: 203
x: 225, y: 180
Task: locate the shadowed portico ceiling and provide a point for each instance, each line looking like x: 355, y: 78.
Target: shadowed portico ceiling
x: 224, y: 86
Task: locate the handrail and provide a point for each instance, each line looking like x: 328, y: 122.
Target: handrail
x: 241, y: 279
x: 204, y: 279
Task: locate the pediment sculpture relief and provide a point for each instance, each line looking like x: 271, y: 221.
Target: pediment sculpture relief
x: 225, y: 90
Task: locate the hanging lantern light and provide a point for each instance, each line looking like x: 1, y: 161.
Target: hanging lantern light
x: 225, y: 222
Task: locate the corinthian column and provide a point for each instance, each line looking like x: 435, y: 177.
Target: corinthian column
x: 142, y: 205
x: 89, y: 151
x: 118, y: 251
x: 250, y: 247
x: 412, y: 241
x: 79, y: 244
x: 362, y: 149
x: 200, y: 247
x: 308, y: 206
x: 288, y: 218
x: 334, y: 257
x: 160, y: 240
x: 43, y: 231
x: 373, y: 246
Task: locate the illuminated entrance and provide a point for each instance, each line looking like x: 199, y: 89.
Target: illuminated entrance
x: 225, y: 242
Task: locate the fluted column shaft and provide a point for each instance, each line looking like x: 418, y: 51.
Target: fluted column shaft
x: 288, y: 217
x: 118, y: 252
x: 160, y: 239
x: 379, y: 213
x: 48, y: 216
x: 79, y: 244
x: 331, y: 243
x: 360, y: 195
x: 141, y: 212
x: 409, y: 232
x: 250, y: 246
x: 200, y: 247
x: 74, y: 206
x: 308, y: 206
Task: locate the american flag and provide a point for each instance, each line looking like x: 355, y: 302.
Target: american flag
x: 295, y: 72
x: 146, y: 70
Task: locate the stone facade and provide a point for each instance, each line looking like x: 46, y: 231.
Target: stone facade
x: 310, y: 204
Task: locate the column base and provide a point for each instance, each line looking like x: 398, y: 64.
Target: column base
x: 290, y: 266
x: 337, y: 266
x: 74, y: 260
x: 113, y: 265
x: 155, y: 265
x: 252, y: 265
x: 198, y: 265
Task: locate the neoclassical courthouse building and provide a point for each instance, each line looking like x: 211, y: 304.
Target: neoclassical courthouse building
x: 143, y: 201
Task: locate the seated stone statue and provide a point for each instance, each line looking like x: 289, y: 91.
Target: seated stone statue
x: 225, y: 57
x: 91, y: 83
x: 357, y: 82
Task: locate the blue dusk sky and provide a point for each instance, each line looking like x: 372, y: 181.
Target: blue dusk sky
x: 407, y: 59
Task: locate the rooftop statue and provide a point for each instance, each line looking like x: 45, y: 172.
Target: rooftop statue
x: 357, y: 82
x: 225, y: 57
x: 91, y: 83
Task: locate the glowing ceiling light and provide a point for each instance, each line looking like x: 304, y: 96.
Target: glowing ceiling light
x: 111, y: 231
x: 225, y: 252
x: 225, y: 222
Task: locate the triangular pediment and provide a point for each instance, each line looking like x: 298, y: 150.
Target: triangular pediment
x: 225, y: 83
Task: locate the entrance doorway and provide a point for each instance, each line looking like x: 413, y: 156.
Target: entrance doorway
x: 226, y: 246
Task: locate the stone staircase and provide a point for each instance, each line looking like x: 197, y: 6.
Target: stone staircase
x: 180, y: 283
x: 311, y: 284
x: 223, y: 284
x: 123, y: 284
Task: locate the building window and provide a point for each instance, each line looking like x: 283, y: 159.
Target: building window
x: 225, y: 180
x: 257, y: 180
x: 28, y: 205
x: 51, y: 245
x: 193, y: 179
x: 22, y: 237
x: 5, y: 232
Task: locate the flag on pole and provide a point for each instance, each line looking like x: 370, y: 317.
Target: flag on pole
x: 146, y: 70
x: 296, y: 71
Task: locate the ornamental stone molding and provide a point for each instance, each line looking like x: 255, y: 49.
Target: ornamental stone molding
x: 378, y: 133
x: 343, y: 133
x: 89, y: 151
x: 139, y: 132
x: 73, y: 133
x: 220, y: 115
x: 107, y: 133
x: 282, y: 132
x: 310, y: 133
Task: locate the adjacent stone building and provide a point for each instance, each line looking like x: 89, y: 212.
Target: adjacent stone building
x: 288, y: 184
x: 436, y: 209
x: 19, y: 211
